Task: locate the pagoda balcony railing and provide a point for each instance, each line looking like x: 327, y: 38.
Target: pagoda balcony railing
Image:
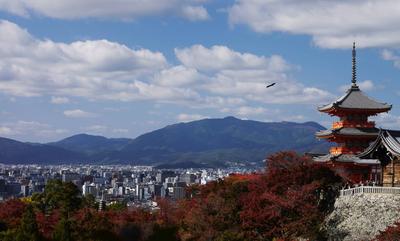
x: 370, y: 190
x: 336, y: 150
x: 352, y: 124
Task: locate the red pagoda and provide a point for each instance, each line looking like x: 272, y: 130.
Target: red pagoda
x: 353, y: 133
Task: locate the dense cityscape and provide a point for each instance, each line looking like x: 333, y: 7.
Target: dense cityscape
x: 137, y: 186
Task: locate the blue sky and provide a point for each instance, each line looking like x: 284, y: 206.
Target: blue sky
x: 125, y: 67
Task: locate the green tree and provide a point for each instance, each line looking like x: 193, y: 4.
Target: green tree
x: 89, y: 201
x: 118, y: 206
x: 164, y: 234
x: 28, y: 229
x: 230, y: 236
x: 93, y: 225
x: 8, y: 235
x: 58, y: 195
x: 63, y: 230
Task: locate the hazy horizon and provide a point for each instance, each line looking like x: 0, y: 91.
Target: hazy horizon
x: 129, y: 137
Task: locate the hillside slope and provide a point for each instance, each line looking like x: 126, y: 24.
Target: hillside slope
x: 90, y: 144
x: 15, y: 152
x: 208, y: 142
x: 215, y: 141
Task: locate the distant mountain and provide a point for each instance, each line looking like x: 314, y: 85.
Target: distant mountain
x: 203, y: 143
x: 15, y: 152
x: 217, y: 141
x: 89, y: 144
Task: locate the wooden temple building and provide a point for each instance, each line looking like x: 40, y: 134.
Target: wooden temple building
x: 363, y: 152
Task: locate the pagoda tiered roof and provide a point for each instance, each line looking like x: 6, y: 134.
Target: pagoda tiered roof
x: 355, y: 100
x: 346, y: 158
x: 349, y: 132
x: 354, y: 156
x: 390, y: 139
x: 353, y: 131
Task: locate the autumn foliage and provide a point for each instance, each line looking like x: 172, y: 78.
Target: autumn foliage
x: 289, y: 200
x: 10, y: 213
x: 392, y: 233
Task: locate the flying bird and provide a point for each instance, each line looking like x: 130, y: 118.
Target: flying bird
x: 270, y: 85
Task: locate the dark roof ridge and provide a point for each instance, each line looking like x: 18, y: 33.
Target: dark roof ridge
x: 355, y: 98
x: 388, y: 138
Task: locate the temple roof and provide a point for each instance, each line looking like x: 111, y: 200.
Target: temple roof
x: 390, y: 139
x: 346, y: 131
x: 355, y: 99
x: 346, y: 158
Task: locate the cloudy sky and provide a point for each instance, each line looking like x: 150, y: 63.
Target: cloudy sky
x: 121, y: 68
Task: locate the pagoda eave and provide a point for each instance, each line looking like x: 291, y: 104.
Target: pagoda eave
x: 349, y: 133
x: 335, y: 137
x: 335, y: 111
x: 345, y: 160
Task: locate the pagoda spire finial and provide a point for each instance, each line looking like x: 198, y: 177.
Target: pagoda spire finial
x: 354, y: 73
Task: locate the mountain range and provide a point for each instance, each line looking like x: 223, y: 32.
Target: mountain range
x: 207, y: 142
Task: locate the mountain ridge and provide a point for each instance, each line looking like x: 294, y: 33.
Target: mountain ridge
x: 206, y: 142
x: 89, y: 144
x: 16, y: 152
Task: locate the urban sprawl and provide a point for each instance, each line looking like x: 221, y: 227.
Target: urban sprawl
x: 135, y: 186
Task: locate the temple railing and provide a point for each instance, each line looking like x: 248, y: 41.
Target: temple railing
x: 370, y: 190
x: 336, y: 150
x: 353, y: 124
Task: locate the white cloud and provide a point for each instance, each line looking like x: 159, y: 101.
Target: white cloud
x: 190, y: 117
x: 77, y: 113
x: 245, y: 111
x: 5, y: 131
x: 177, y: 76
x: 116, y: 9
x: 120, y: 131
x: 30, y: 130
x: 221, y: 57
x: 391, y: 56
x: 365, y: 85
x: 96, y: 69
x: 15, y: 7
x: 59, y: 100
x: 195, y: 13
x: 250, y: 111
x: 245, y: 75
x: 96, y: 128
x: 105, y: 130
x: 332, y: 24
x: 218, y: 102
x: 294, y: 118
x: 104, y: 70
x: 387, y: 120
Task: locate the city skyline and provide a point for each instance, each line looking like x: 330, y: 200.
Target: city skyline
x: 124, y: 69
